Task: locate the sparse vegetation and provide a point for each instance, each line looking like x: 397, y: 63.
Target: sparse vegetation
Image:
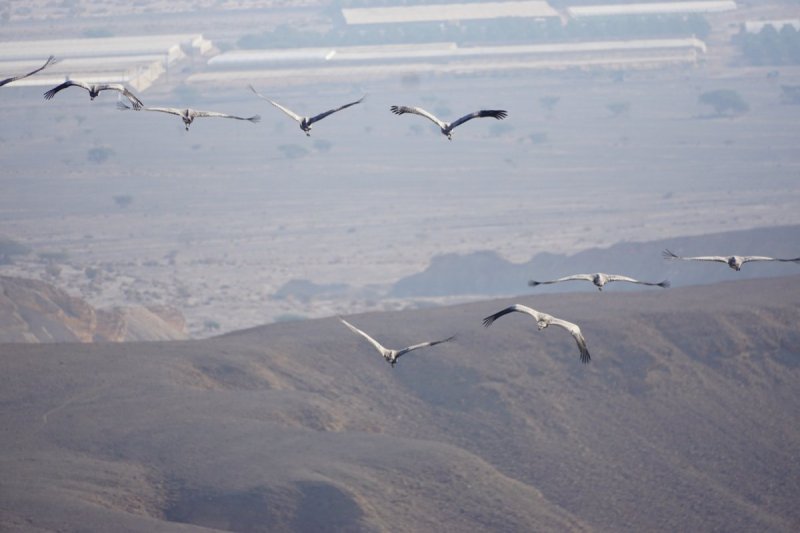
x: 99, y: 154
x: 293, y: 151
x: 54, y: 257
x: 770, y: 46
x: 549, y: 103
x: 323, y: 145
x: 499, y: 129
x: 790, y: 94
x: 538, y: 137
x: 618, y: 109
x: 95, y: 33
x: 123, y: 200
x: 211, y: 325
x: 725, y: 102
x: 10, y: 248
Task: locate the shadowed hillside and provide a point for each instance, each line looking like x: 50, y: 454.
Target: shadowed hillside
x: 36, y: 311
x: 488, y: 273
x: 687, y: 419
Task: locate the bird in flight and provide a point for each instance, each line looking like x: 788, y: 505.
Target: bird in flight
x: 542, y: 321
x: 94, y: 90
x: 188, y: 115
x: 733, y: 261
x: 305, y: 122
x: 448, y: 127
x: 50, y: 61
x: 600, y: 279
x: 390, y: 355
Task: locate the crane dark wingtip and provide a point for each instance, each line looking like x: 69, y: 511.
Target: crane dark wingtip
x: 585, y: 357
x: 533, y: 283
x: 255, y: 118
x: 488, y: 321
x: 669, y: 254
x: 396, y: 110
x: 665, y: 284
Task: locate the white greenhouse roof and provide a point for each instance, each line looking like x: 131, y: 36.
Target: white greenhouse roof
x: 448, y: 12
x: 709, y: 6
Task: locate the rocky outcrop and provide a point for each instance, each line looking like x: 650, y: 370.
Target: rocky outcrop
x: 33, y: 311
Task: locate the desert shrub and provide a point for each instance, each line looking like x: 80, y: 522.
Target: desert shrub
x: 724, y: 102
x: 123, y: 200
x: 549, y: 102
x: 293, y: 151
x: 99, y: 154
x: 790, y: 94
x: 617, y: 109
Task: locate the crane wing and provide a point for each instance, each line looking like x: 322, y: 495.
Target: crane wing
x: 69, y: 83
x: 289, y: 112
x: 214, y: 114
x: 617, y: 277
x: 170, y: 110
x: 749, y: 258
x: 319, y: 117
x: 401, y: 110
x: 137, y: 104
x: 575, y: 331
x: 423, y: 345
x: 515, y: 308
x: 50, y: 61
x: 717, y: 258
x: 378, y: 346
x: 576, y: 277
x: 499, y: 114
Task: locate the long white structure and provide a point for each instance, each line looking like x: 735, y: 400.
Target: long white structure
x: 659, y: 8
x: 448, y: 12
x: 358, y: 63
x: 137, y: 61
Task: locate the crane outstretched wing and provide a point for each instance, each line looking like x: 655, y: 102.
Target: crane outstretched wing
x: 515, y: 308
x: 717, y: 258
x: 289, y: 112
x: 401, y: 110
x: 319, y: 117
x: 748, y: 258
x: 499, y: 114
x: 423, y: 345
x: 617, y: 277
x: 378, y: 346
x: 135, y: 102
x: 50, y: 61
x: 576, y: 277
x: 575, y: 331
x: 69, y: 83
x: 214, y: 114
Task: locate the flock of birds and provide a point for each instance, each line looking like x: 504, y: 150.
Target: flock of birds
x: 188, y: 115
x: 543, y: 320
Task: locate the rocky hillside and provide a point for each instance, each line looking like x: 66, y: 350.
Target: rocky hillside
x: 35, y: 311
x: 686, y: 419
x: 487, y: 273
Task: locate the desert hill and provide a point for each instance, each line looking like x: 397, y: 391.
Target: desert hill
x: 487, y: 273
x: 687, y: 419
x: 36, y: 311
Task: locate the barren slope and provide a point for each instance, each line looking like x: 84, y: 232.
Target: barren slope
x: 686, y: 419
